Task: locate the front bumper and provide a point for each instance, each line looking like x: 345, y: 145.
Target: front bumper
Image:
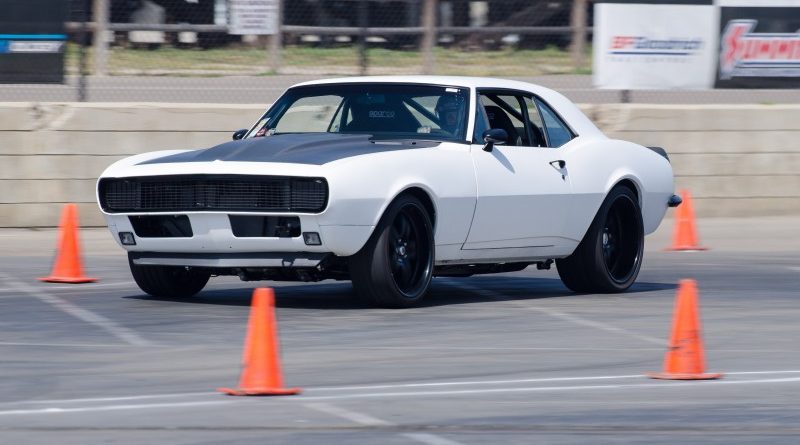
x: 228, y: 260
x: 212, y: 242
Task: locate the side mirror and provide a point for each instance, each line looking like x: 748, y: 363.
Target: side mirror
x: 494, y: 136
x: 239, y: 134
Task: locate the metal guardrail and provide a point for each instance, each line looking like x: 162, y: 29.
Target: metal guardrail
x: 338, y: 30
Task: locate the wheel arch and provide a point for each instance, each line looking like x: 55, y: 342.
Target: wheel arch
x: 632, y: 185
x: 419, y: 191
x: 625, y: 180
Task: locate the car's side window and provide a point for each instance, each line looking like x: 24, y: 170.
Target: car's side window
x: 504, y: 112
x: 558, y: 133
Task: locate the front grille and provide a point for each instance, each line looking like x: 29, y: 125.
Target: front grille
x: 184, y: 193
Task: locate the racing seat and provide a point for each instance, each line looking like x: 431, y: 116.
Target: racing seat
x: 386, y: 117
x: 499, y: 119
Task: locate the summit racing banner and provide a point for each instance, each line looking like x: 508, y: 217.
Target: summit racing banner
x: 655, y: 45
x: 759, y: 47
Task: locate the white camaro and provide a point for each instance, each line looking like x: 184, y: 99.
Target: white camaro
x: 389, y: 181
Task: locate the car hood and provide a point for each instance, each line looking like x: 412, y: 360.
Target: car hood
x: 310, y: 148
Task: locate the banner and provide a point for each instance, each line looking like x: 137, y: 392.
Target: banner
x: 759, y: 47
x: 253, y: 17
x: 655, y: 46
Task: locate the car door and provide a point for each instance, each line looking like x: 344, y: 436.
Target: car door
x: 524, y: 191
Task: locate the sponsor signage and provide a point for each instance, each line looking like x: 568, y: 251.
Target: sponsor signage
x: 649, y: 45
x: 253, y: 17
x: 759, y: 47
x: 32, y: 41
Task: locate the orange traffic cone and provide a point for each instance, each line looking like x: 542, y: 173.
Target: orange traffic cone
x: 68, y: 267
x: 261, y: 373
x: 685, y: 235
x: 685, y: 359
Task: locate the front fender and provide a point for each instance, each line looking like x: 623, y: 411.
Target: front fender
x: 362, y: 188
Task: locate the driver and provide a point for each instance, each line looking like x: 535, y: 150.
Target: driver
x: 450, y: 112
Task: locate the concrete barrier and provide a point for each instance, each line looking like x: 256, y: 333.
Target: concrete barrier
x: 738, y: 160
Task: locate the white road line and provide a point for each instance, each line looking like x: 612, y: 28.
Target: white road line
x: 476, y: 382
x: 763, y: 372
x: 536, y: 380
x: 367, y: 420
x: 109, y: 399
x: 61, y: 345
x: 88, y: 316
x: 468, y: 392
x: 83, y: 288
x: 90, y: 286
x: 558, y: 314
x: 411, y: 385
x: 336, y: 411
x: 56, y: 410
x: 430, y: 439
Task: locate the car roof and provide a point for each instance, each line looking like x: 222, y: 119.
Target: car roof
x: 568, y: 110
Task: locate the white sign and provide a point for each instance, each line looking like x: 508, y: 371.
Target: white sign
x: 652, y: 46
x: 42, y: 46
x: 253, y: 17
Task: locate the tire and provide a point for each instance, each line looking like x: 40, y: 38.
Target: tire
x: 609, y: 257
x: 168, y: 281
x: 394, y: 269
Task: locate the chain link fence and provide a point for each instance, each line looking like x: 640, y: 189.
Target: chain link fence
x: 185, y: 51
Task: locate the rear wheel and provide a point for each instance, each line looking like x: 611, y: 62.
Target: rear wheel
x: 609, y: 257
x: 395, y: 267
x: 168, y: 281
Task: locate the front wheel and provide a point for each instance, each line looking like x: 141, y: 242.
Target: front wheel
x: 168, y: 281
x: 395, y: 267
x: 609, y: 257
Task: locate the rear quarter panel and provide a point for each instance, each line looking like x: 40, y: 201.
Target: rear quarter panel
x: 596, y: 166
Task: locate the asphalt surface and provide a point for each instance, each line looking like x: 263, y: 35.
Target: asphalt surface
x: 512, y: 358
x: 266, y: 89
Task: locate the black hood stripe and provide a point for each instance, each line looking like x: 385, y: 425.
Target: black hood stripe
x: 309, y: 148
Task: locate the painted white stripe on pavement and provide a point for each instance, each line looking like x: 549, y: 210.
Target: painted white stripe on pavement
x: 359, y: 418
x: 468, y: 392
x: 558, y: 314
x: 367, y: 420
x: 121, y: 332
x: 61, y: 345
x: 56, y: 410
x: 109, y: 399
x: 476, y: 382
x: 430, y: 439
x: 82, y: 287
x: 351, y: 388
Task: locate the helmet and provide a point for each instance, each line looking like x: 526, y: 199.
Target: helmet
x: 450, y: 112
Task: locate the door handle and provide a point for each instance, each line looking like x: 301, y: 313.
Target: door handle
x: 560, y: 164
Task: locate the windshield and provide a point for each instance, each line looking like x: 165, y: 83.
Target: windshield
x: 385, y: 111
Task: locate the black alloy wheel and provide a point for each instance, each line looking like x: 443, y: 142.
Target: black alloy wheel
x: 395, y: 267
x: 609, y: 257
x: 620, y: 243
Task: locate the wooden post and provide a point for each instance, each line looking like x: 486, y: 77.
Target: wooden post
x: 363, y: 22
x: 276, y: 40
x: 429, y: 36
x: 578, y: 24
x: 100, y: 12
